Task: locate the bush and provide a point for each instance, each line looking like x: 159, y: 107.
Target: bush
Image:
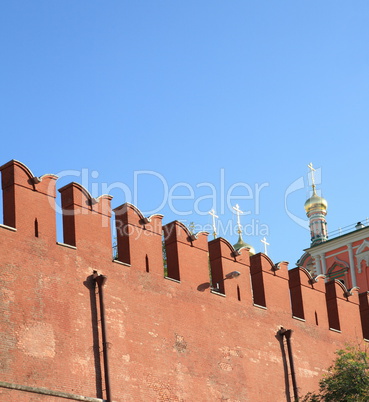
x: 347, y: 379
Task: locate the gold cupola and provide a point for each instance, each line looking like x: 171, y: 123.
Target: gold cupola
x: 315, y: 202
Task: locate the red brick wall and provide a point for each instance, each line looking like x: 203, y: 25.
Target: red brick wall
x: 167, y: 340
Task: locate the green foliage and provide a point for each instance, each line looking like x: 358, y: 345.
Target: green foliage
x: 164, y: 251
x: 115, y: 248
x: 347, y: 379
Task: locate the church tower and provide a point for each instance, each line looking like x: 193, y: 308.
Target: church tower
x: 316, y: 210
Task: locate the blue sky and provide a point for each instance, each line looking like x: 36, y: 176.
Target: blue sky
x: 194, y: 99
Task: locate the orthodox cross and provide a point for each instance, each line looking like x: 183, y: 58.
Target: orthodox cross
x: 238, y: 212
x: 191, y: 228
x: 213, y: 216
x: 264, y: 241
x: 310, y: 166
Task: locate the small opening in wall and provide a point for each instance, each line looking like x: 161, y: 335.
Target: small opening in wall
x: 147, y: 263
x: 164, y: 253
x: 36, y: 227
x: 316, y: 318
x: 114, y: 237
x: 59, y: 219
x: 238, y: 293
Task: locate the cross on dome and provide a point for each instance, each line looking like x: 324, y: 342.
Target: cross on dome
x: 213, y: 216
x: 191, y: 227
x: 238, y: 213
x: 241, y: 244
x: 312, y: 170
x: 264, y: 241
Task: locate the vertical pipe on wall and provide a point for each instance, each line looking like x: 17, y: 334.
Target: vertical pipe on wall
x: 287, y: 334
x: 100, y: 281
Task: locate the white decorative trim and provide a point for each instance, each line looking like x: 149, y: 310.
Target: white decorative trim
x: 66, y: 245
x: 8, y: 228
x: 324, y: 266
x: 352, y: 263
x: 362, y: 246
x: 345, y: 263
x: 317, y: 264
x: 362, y: 255
x: 172, y: 279
x: 258, y: 306
x: 340, y: 241
x: 121, y: 263
x: 217, y: 293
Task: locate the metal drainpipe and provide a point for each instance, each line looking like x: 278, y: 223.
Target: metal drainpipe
x: 100, y: 281
x: 287, y: 334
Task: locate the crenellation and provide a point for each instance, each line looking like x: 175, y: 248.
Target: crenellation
x: 296, y: 284
x: 332, y: 305
x: 364, y: 313
x: 269, y: 283
x: 28, y: 206
x: 16, y: 173
x: 52, y: 316
x: 86, y: 220
x: 343, y: 308
x: 308, y: 299
x: 230, y: 274
x: 139, y: 239
x: 218, y: 250
x: 191, y: 259
x: 187, y: 255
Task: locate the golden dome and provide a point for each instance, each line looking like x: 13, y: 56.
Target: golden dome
x: 315, y: 202
x: 241, y: 244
